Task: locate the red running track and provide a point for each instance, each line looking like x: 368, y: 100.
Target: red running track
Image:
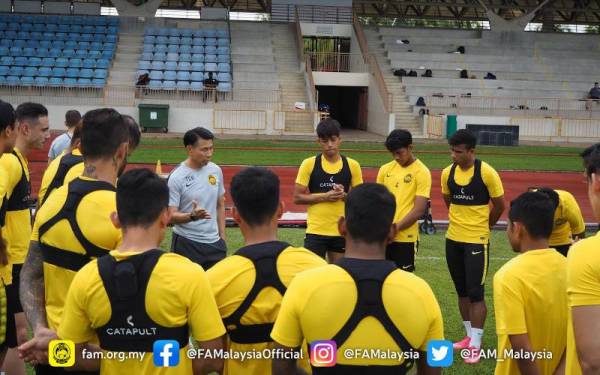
x: 515, y: 182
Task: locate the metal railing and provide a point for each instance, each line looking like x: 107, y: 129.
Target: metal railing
x: 313, y: 99
x: 337, y: 62
x: 311, y: 13
x: 59, y: 95
x: 522, y: 105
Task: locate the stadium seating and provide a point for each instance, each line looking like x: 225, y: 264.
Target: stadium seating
x: 49, y: 48
x: 180, y: 58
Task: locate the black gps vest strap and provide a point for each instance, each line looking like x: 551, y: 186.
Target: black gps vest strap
x: 20, y: 199
x: 66, y: 163
x: 321, y: 181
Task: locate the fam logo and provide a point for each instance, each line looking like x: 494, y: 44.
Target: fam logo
x: 408, y: 178
x: 61, y: 353
x: 212, y: 180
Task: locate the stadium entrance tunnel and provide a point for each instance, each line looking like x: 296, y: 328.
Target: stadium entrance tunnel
x: 346, y: 104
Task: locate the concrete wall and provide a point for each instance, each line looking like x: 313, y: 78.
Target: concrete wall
x: 378, y: 122
x: 341, y: 79
x: 326, y: 29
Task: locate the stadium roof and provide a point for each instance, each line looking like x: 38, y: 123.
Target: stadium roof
x: 556, y: 11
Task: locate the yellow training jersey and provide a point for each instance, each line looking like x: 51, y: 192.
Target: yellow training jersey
x: 232, y: 279
x: 470, y: 224
x: 5, y: 270
x: 583, y: 288
x: 178, y: 293
x: 530, y: 298
x: 17, y: 228
x: 567, y: 219
x: 323, y: 217
x: 74, y: 171
x: 320, y: 301
x: 93, y: 217
x: 406, y: 183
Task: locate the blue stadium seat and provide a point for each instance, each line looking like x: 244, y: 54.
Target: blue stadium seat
x: 174, y: 40
x: 70, y: 81
x: 144, y: 64
x: 111, y: 38
x: 169, y: 85
x: 19, y: 43
x: 224, y: 68
x: 170, y: 75
x: 185, y: 57
x: 86, y: 73
x: 102, y: 30
x: 68, y: 53
x: 84, y: 82
x: 186, y: 33
x: 94, y: 54
x: 198, y: 49
x: 75, y: 63
x: 72, y: 73
x: 210, y: 33
x: 222, y: 34
x: 198, y: 42
x: 60, y: 36
x: 151, y: 31
x: 108, y: 46
x: 197, y: 76
x: 196, y: 86
x: 140, y: 72
x: 163, y: 32
x: 210, y: 41
x: 108, y: 54
x: 21, y: 61
x: 158, y: 65
x: 148, y: 48
x: 197, y: 57
x: 221, y: 42
x: 83, y: 45
x: 223, y: 50
x: 172, y: 57
x: 51, y: 27
x: 183, y: 76
x: 2, y: 80
x: 81, y: 53
x: 174, y: 32
x: 160, y: 48
x: 156, y: 75
x: 16, y: 71
x: 183, y: 85
x: 44, y: 72
x: 169, y: 65
x: 100, y: 73
x: 4, y: 51
x: 197, y: 67
x: 64, y: 28
x: 13, y: 26
x: 210, y: 67
x: 4, y: 70
x: 184, y: 66
x: 185, y: 49
x: 224, y: 87
x: 98, y: 82
x: 75, y: 29
x: 71, y: 44
x: 89, y: 63
x: 61, y: 62
x: 29, y: 52
x: 210, y: 50
x: 223, y: 58
x: 224, y: 77
x: 7, y: 60
x: 55, y: 52
x: 48, y: 62
x: 173, y: 48
x: 102, y: 63
x: 96, y: 46
x: 88, y: 29
x: 16, y: 51
x: 12, y: 80
x: 154, y: 84
x: 23, y: 35
x: 186, y: 41
x: 27, y: 81
x: 58, y: 72
x: 30, y: 71
x: 149, y: 39
x: 43, y: 52
x: 41, y: 81
x: 55, y: 81
x: 159, y: 56
x: 6, y: 43
x: 210, y: 58
x: 10, y: 34
x: 161, y: 40
x: 87, y: 37
x: 32, y: 43
x: 198, y: 33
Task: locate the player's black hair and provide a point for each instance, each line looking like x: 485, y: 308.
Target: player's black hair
x: 134, y: 132
x: 141, y: 197
x: 30, y: 112
x: 72, y: 118
x: 397, y: 139
x: 7, y: 115
x: 255, y: 193
x: 191, y: 136
x: 551, y: 193
x: 591, y: 159
x: 328, y: 128
x: 535, y: 211
x: 370, y: 212
x: 102, y: 133
x: 463, y: 137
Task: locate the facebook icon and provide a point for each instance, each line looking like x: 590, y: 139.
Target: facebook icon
x: 166, y: 353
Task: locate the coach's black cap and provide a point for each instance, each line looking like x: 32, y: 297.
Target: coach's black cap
x: 7, y: 115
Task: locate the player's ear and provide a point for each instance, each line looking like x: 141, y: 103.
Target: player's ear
x: 165, y: 217
x: 392, y: 233
x: 236, y: 215
x: 114, y: 217
x: 342, y: 226
x: 280, y: 209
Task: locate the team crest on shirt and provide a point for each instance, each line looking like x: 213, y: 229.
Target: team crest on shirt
x: 212, y: 180
x: 408, y: 178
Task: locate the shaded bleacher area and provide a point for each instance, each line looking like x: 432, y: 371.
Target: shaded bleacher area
x: 62, y: 51
x: 541, y: 74
x: 181, y: 59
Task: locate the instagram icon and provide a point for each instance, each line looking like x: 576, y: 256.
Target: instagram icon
x: 323, y: 353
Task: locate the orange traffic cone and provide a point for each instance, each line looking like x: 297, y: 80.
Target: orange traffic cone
x: 158, y: 168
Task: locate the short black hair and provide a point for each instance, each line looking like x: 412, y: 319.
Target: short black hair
x: 102, y: 133
x: 370, y: 212
x: 397, y: 139
x: 141, y: 197
x: 535, y: 211
x: 328, y: 128
x: 7, y: 115
x: 76, y: 137
x: 255, y: 193
x: 134, y: 131
x: 191, y: 136
x: 30, y: 112
x: 552, y: 194
x: 591, y: 159
x: 72, y: 118
x: 463, y: 137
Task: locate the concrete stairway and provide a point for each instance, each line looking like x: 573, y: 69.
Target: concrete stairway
x: 124, y: 69
x: 405, y: 118
x: 291, y: 79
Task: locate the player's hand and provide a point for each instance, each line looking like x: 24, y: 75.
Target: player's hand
x: 199, y: 213
x: 35, y: 351
x: 334, y: 195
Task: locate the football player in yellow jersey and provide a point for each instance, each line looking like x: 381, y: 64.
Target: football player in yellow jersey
x: 583, y: 284
x: 410, y: 181
x: 165, y: 296
x: 322, y: 183
x: 569, y: 226
x: 468, y: 186
x: 8, y: 137
x: 249, y: 285
x: 72, y: 228
x: 363, y: 303
x: 32, y: 133
x: 530, y: 299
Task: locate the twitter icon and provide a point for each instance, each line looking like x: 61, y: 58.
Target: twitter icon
x: 439, y: 353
